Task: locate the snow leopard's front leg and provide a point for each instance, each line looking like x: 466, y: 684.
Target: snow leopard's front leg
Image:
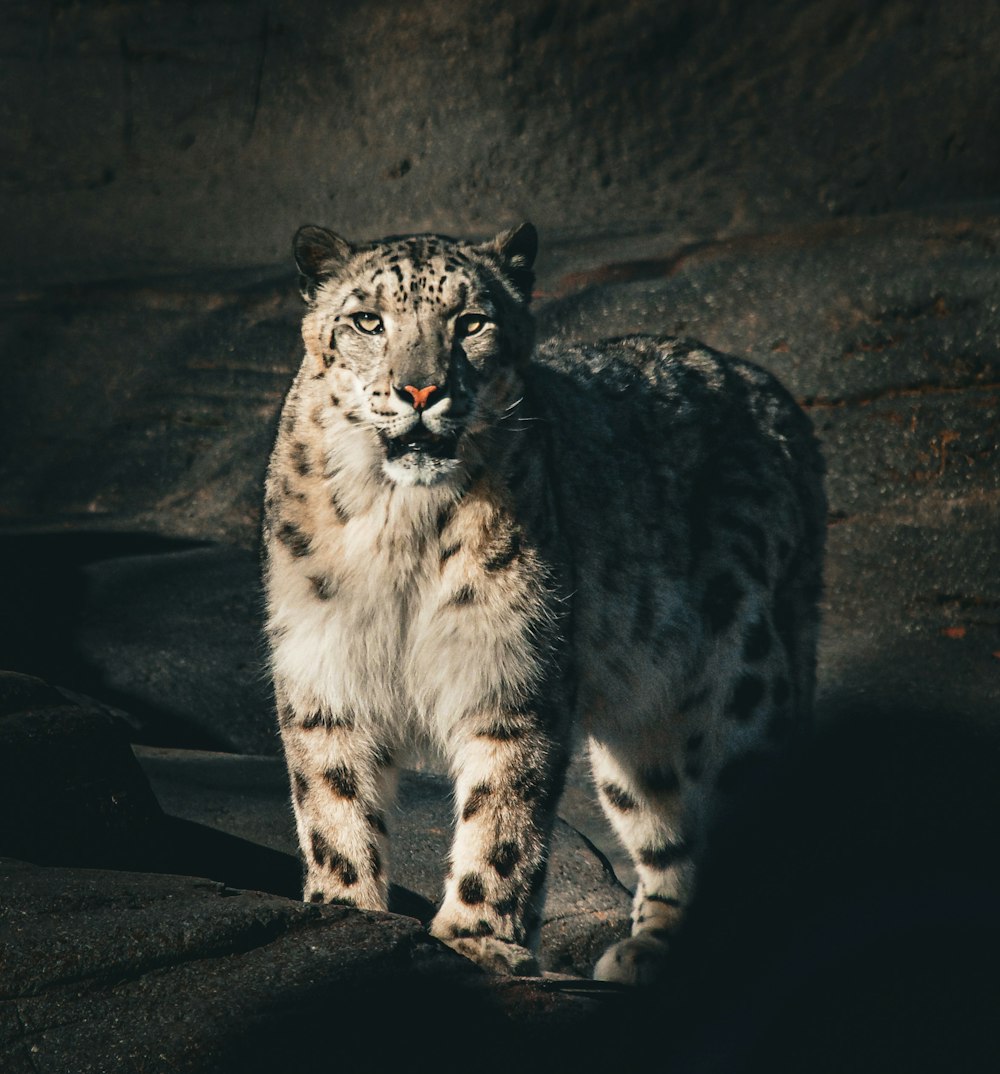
x: 509, y: 768
x: 343, y: 781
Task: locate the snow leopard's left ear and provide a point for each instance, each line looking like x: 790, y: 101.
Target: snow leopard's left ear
x: 517, y: 249
x: 318, y: 254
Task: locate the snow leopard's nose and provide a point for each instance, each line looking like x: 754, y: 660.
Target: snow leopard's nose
x: 417, y: 396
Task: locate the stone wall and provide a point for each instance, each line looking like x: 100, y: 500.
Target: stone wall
x: 151, y: 137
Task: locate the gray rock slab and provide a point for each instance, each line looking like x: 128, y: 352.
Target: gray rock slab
x: 167, y: 409
x: 72, y: 794
x: 166, y: 631
x: 205, y: 135
x: 586, y: 907
x: 132, y: 972
x: 176, y: 640
x: 246, y: 796
x: 20, y: 692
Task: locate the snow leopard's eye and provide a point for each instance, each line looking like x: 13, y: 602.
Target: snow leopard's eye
x: 369, y: 323
x: 471, y: 324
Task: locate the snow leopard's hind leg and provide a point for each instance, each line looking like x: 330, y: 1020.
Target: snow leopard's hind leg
x: 664, y: 791
x: 643, y: 804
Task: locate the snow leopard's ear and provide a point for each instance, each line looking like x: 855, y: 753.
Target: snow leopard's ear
x: 318, y: 253
x: 517, y: 249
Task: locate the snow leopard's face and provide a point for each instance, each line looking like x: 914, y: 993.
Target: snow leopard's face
x: 422, y: 339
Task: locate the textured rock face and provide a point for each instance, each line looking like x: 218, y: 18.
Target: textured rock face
x: 157, y: 970
x: 205, y: 134
x: 134, y: 972
x: 70, y: 791
x: 167, y: 405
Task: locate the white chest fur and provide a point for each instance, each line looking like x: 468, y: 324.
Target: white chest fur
x: 377, y: 621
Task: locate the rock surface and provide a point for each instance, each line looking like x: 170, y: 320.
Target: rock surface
x: 177, y: 640
x: 206, y: 134
x: 120, y: 971
x: 70, y: 791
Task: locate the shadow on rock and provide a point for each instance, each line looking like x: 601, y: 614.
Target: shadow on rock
x: 108, y: 972
x: 168, y: 630
x: 849, y: 918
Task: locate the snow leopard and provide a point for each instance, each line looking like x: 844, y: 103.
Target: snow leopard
x: 506, y: 550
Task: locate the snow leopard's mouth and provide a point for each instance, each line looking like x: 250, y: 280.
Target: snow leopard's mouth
x: 420, y: 440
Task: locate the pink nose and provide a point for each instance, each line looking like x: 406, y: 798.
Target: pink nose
x: 420, y: 394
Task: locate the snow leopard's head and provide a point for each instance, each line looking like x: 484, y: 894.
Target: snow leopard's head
x: 422, y: 340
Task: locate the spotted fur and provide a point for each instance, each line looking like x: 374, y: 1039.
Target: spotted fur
x: 494, y: 547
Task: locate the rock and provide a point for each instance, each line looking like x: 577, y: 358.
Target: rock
x: 129, y: 972
x: 177, y: 640
x: 207, y: 135
x: 122, y: 443
x: 170, y: 632
x: 245, y: 796
x: 72, y: 793
x: 70, y: 789
x: 19, y: 693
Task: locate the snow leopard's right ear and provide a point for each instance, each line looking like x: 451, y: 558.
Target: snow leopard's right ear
x: 318, y: 253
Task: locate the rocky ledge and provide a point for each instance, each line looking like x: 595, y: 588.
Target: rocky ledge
x: 871, y: 908
x: 141, y: 938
